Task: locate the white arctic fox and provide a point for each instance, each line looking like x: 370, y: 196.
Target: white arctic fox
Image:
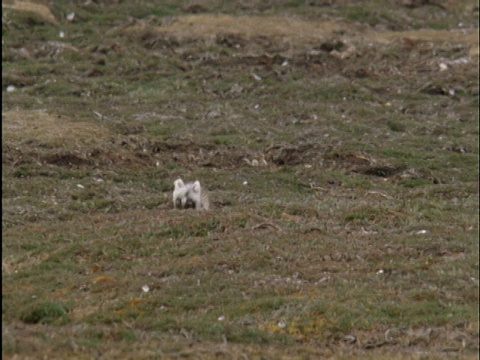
x: 188, y: 193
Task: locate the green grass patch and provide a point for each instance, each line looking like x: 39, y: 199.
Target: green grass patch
x: 44, y: 312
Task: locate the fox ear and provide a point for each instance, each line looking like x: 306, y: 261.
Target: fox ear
x: 178, y: 183
x: 196, y: 186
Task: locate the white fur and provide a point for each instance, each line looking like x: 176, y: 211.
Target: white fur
x: 195, y: 193
x: 190, y: 192
x: 179, y: 193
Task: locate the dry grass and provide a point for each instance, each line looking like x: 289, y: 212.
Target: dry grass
x: 297, y: 32
x: 274, y: 27
x: 20, y: 127
x: 468, y: 37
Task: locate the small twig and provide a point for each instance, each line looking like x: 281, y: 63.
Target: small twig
x: 313, y: 187
x: 372, y: 192
x: 188, y: 335
x: 99, y: 115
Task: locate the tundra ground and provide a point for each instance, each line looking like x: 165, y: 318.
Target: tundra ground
x: 338, y: 141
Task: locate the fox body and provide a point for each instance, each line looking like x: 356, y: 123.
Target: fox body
x: 190, y: 194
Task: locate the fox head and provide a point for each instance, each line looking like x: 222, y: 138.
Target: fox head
x: 178, y: 183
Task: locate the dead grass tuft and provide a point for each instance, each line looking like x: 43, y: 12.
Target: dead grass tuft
x: 41, y: 10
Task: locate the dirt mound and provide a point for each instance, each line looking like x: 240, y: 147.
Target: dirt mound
x: 40, y: 128
x: 26, y: 6
x: 289, y: 35
x: 39, y: 136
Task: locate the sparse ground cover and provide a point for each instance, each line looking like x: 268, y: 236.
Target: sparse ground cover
x: 339, y: 143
